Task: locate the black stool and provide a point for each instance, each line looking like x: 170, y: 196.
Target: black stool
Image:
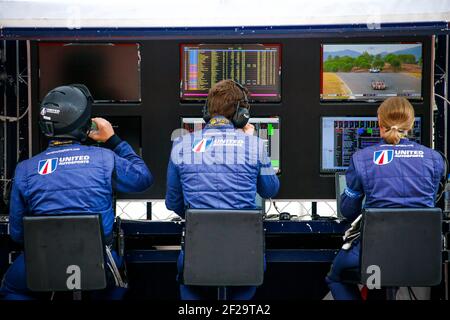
x: 64, y: 253
x: 406, y: 245
x: 223, y: 248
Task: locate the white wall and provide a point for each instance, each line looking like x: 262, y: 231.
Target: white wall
x: 192, y: 13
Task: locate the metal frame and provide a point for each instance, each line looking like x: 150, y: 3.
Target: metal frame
x: 418, y: 28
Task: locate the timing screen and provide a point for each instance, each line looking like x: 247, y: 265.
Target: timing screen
x: 256, y: 66
x: 343, y: 136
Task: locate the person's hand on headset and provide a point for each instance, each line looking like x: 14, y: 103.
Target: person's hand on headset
x: 104, y: 130
x: 249, y: 129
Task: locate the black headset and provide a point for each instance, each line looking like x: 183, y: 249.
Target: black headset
x: 242, y: 114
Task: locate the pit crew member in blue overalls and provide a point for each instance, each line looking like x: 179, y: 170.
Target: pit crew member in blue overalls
x: 222, y: 166
x: 396, y: 173
x: 70, y: 177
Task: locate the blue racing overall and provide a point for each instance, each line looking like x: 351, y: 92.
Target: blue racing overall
x: 405, y: 175
x: 219, y: 167
x: 69, y: 177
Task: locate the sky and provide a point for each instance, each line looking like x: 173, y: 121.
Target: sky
x: 370, y: 48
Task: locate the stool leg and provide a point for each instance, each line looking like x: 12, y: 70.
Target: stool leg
x: 77, y: 295
x: 222, y: 293
x: 446, y: 279
x: 391, y: 293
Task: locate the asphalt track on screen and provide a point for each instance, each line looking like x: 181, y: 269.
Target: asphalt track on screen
x: 360, y: 83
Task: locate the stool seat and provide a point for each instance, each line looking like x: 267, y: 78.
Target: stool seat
x: 223, y: 248
x: 64, y: 252
x: 405, y: 244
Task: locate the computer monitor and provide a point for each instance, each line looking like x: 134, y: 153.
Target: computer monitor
x: 111, y: 71
x: 343, y: 136
x: 371, y: 71
x: 256, y: 66
x: 267, y: 129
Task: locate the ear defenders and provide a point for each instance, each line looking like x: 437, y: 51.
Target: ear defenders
x: 242, y: 114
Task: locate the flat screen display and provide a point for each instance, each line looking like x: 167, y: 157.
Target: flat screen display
x: 371, y: 72
x: 343, y: 136
x: 111, y: 71
x: 256, y: 66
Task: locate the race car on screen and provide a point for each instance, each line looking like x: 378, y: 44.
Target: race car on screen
x: 378, y: 85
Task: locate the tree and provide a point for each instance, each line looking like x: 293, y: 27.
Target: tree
x: 407, y: 58
x: 396, y: 64
x: 378, y: 63
x: 389, y: 57
x: 347, y: 67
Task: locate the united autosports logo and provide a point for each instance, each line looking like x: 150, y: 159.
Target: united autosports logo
x: 47, y: 166
x: 201, y: 145
x: 383, y: 157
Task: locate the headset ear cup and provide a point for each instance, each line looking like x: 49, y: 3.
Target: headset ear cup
x: 241, y: 117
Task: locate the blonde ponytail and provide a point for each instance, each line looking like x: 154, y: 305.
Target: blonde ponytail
x: 396, y: 116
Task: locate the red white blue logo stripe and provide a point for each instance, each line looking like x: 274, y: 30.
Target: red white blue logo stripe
x: 383, y: 157
x: 201, y: 145
x: 47, y: 166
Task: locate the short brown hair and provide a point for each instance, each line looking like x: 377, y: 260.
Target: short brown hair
x: 396, y: 115
x: 223, y: 98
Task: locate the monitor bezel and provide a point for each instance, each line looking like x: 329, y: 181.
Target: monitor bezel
x: 278, y: 45
x: 97, y: 102
x: 369, y: 99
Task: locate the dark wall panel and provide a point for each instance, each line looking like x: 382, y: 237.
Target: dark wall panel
x: 299, y: 110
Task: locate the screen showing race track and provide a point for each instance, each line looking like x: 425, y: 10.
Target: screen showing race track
x: 343, y: 136
x: 371, y: 72
x: 256, y: 66
x: 267, y: 129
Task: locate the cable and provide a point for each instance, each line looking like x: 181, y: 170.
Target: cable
x: 14, y: 119
x: 275, y: 206
x: 412, y: 295
x: 439, y: 80
x: 438, y: 95
x: 334, y: 211
x: 270, y: 206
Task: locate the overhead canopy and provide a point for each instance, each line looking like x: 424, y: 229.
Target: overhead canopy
x: 216, y: 13
x: 70, y: 17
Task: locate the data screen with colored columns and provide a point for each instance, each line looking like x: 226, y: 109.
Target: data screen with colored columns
x: 343, y: 136
x: 256, y: 66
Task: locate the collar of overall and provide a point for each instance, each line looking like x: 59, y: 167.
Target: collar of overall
x: 60, y: 143
x: 219, y: 121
